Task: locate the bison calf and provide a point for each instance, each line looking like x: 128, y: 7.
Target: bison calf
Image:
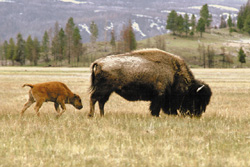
x: 56, y: 92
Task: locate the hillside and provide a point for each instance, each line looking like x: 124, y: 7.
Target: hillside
x: 216, y: 39
x: 148, y: 17
x: 187, y: 47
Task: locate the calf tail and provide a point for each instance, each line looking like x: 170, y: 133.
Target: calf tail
x: 30, y: 85
x: 93, y: 70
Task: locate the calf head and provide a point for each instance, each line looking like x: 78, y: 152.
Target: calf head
x: 197, y: 99
x: 76, y: 101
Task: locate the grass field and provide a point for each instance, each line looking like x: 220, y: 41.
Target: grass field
x: 127, y: 135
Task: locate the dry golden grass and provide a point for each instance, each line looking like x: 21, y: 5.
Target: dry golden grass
x: 127, y: 135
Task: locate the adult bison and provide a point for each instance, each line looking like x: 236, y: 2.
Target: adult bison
x: 151, y: 75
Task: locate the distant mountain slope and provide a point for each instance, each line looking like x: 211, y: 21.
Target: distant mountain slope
x: 148, y: 17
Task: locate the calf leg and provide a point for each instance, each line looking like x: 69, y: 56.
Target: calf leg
x: 62, y: 104
x: 57, y: 107
x: 38, y: 106
x: 28, y: 103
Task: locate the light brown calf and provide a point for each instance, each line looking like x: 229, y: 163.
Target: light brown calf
x: 56, y: 92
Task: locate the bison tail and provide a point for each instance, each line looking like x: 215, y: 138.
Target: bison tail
x: 93, y: 70
x: 30, y: 85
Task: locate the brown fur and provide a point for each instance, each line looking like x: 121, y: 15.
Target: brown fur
x: 150, y: 75
x: 56, y: 92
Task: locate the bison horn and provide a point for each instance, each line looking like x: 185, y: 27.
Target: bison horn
x: 199, y: 88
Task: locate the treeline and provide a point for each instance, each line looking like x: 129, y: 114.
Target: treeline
x: 230, y: 23
x: 243, y: 22
x: 63, y: 46
x: 208, y: 57
x: 179, y: 24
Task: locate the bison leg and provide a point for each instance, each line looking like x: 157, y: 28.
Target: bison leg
x: 92, y: 106
x: 102, y: 98
x: 102, y: 103
x: 28, y: 103
x: 170, y: 111
x: 155, y: 106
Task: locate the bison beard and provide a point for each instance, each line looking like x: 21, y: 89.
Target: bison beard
x: 149, y: 75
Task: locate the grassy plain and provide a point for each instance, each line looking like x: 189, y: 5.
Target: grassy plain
x: 127, y: 135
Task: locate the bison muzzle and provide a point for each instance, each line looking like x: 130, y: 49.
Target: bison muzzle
x: 151, y: 75
x: 56, y: 92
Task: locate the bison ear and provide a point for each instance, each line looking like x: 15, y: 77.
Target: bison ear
x: 199, y: 89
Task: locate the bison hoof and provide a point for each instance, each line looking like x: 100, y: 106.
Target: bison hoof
x: 57, y: 116
x: 90, y: 115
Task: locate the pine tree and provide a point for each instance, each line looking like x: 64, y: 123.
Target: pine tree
x: 201, y: 26
x: 128, y: 38
x: 230, y: 24
x: 11, y: 50
x: 204, y: 13
x: 1, y: 55
x: 69, y: 30
x: 186, y: 24
x: 180, y: 24
x: 241, y: 56
x: 240, y: 21
x: 247, y: 24
x: 223, y: 23
x: 242, y: 16
x: 133, y: 43
x: 77, y: 47
x: 61, y: 44
x: 172, y: 21
x: 5, y: 51
x: 94, y: 32
x: 55, y: 45
x: 113, y: 41
x: 36, y: 51
x: 193, y: 24
x: 28, y: 48
x: 20, y: 50
x: 46, y: 47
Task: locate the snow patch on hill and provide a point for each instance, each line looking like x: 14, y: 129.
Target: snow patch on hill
x: 76, y: 2
x: 216, y: 6
x: 84, y: 27
x: 224, y: 8
x: 143, y: 16
x: 136, y: 28
x: 111, y: 27
x: 7, y: 1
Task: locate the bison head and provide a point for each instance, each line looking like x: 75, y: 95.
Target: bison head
x: 76, y: 102
x: 196, y: 100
